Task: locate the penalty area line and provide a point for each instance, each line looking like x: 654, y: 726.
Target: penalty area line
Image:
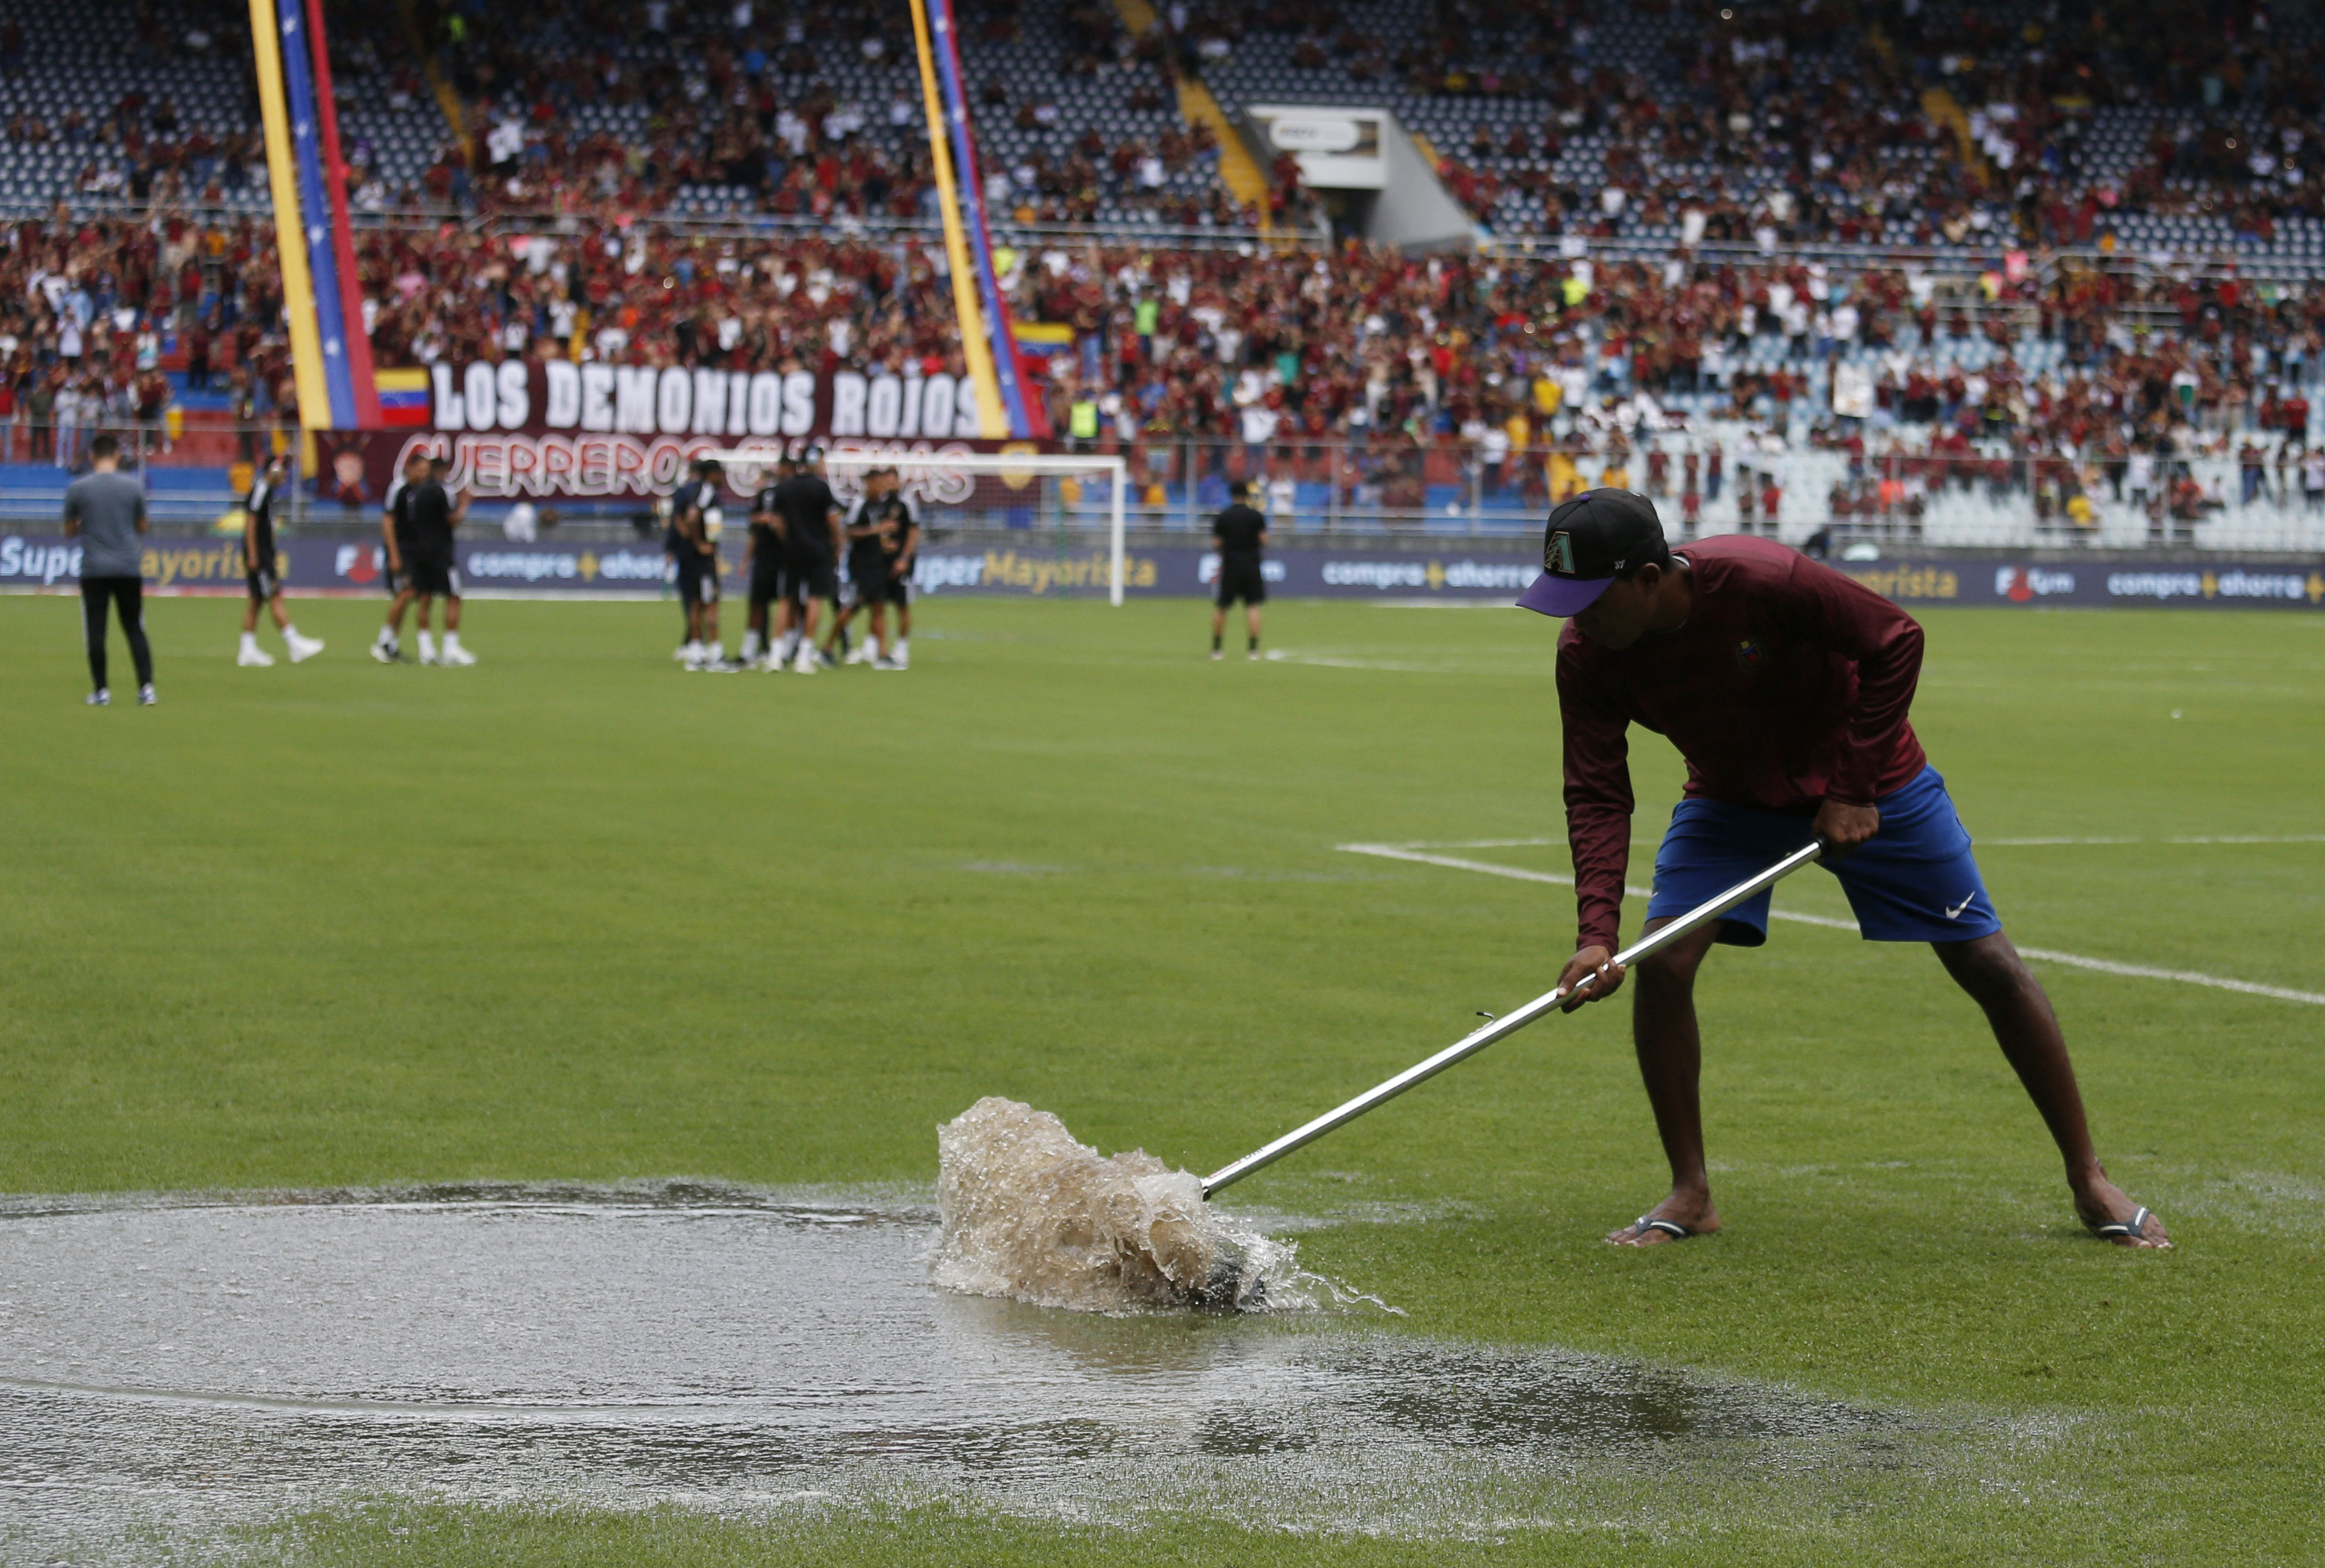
x: 2041, y: 955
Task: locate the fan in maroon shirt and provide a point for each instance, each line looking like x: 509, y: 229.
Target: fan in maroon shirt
x: 1785, y: 686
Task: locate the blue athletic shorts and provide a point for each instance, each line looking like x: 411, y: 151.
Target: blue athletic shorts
x: 1914, y: 880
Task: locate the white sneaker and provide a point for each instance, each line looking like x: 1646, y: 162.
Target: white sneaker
x: 456, y: 656
x: 100, y: 697
x: 805, y: 664
x: 689, y: 654
x: 254, y: 658
x: 428, y: 656
x: 145, y: 698
x: 887, y: 665
x: 304, y: 648
x: 862, y: 653
x: 387, y: 654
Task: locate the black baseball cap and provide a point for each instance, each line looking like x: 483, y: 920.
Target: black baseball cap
x: 1587, y: 541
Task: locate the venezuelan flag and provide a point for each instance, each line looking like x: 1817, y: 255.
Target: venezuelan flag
x: 1044, y: 337
x: 403, y: 398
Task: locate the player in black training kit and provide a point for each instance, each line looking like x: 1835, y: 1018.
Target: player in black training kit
x: 1242, y: 535
x: 395, y: 537
x: 883, y: 535
x: 811, y: 517
x: 692, y: 545
x: 429, y: 514
x: 762, y: 563
x: 262, y: 573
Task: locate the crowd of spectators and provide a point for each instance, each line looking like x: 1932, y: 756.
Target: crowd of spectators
x: 96, y: 316
x: 1902, y: 121
x: 1357, y: 366
x: 607, y: 109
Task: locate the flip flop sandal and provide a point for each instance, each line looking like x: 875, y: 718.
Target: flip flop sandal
x: 1674, y: 1229
x: 2132, y: 1230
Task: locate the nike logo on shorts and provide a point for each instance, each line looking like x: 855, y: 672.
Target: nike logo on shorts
x: 1956, y: 912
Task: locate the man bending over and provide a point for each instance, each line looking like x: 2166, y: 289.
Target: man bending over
x: 1785, y: 686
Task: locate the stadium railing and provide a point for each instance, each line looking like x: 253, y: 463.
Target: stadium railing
x: 2248, y: 262
x: 1997, y: 495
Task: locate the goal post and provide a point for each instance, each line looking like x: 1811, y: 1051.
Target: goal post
x: 955, y: 480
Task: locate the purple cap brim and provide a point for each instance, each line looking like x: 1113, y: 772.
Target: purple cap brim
x: 1563, y: 596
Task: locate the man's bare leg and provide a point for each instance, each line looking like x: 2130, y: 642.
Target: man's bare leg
x: 1670, y: 1052
x: 1669, y: 1049
x: 840, y: 621
x: 1998, y: 980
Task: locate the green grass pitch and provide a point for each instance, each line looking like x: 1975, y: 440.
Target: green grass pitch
x: 574, y: 914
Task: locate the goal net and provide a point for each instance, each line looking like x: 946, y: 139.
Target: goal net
x: 1036, y: 492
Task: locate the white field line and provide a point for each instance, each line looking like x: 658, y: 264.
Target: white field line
x: 2187, y: 838
x: 1520, y: 874
x: 2014, y: 843
x: 2185, y: 977
x: 2044, y: 955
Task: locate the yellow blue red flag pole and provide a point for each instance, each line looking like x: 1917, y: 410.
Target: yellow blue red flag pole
x: 975, y: 341
x: 969, y: 187
x: 290, y: 231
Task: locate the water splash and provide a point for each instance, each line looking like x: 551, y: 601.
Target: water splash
x: 1032, y: 1214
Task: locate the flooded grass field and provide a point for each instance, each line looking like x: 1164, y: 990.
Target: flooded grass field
x: 216, y: 1362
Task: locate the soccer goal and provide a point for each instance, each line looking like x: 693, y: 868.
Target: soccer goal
x: 1010, y: 490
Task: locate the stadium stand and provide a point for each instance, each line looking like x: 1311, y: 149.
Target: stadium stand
x: 1769, y: 260
x: 1937, y: 124
x: 698, y: 114
x: 2167, y: 126
x: 109, y: 103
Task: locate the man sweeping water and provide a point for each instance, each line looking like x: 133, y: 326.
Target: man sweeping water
x: 1785, y: 686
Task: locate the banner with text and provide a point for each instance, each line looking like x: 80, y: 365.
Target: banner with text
x: 357, y: 468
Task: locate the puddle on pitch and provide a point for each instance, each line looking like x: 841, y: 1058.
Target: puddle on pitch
x: 192, y: 1365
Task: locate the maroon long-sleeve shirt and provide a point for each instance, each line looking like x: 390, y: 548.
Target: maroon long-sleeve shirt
x: 1787, y: 687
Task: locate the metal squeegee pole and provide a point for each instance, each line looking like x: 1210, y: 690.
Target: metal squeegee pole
x: 1509, y: 1023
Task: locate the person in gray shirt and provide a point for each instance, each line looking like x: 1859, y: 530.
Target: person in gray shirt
x: 105, y: 508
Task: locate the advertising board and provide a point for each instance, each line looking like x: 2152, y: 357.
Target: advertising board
x: 1037, y: 569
